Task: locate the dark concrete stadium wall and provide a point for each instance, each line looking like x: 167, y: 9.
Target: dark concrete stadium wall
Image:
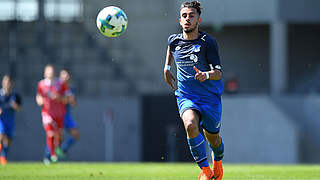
x: 244, y: 52
x: 163, y: 134
x: 304, y: 57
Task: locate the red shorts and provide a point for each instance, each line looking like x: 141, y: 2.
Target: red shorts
x: 50, y: 123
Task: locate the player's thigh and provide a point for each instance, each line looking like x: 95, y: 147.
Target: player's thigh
x: 49, y: 124
x: 186, y: 104
x: 6, y: 129
x: 74, y: 133
x: 191, y: 116
x: 211, y: 117
x: 59, y: 122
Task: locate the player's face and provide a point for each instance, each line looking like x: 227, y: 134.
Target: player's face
x: 64, y: 76
x: 49, y: 72
x: 6, y: 83
x: 189, y: 19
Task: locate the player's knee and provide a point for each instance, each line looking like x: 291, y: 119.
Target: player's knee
x: 75, y: 134
x: 190, y: 125
x: 6, y: 140
x: 50, y: 133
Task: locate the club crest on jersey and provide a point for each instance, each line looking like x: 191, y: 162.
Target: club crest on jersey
x: 178, y: 48
x: 196, y: 48
x: 194, y: 58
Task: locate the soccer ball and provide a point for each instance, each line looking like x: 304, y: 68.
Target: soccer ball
x: 112, y: 21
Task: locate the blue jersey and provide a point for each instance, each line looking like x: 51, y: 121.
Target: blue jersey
x: 201, y: 53
x: 5, y: 100
x: 68, y: 120
x: 70, y: 92
x: 7, y: 117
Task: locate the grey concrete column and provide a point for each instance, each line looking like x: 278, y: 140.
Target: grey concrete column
x: 278, y: 57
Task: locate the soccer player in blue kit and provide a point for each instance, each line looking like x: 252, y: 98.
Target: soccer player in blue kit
x: 69, y: 124
x: 199, y: 88
x: 9, y: 103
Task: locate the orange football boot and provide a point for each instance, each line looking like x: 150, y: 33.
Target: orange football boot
x: 206, y: 174
x: 217, y: 170
x: 3, y: 160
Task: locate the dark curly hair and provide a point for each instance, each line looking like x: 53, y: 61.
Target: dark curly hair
x: 193, y: 4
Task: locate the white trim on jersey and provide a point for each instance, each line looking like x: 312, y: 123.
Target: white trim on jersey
x: 203, y: 37
x: 215, y: 67
x: 211, y: 66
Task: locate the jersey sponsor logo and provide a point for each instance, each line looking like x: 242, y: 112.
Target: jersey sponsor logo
x: 194, y: 58
x: 178, y: 48
x: 196, y: 48
x: 217, y: 67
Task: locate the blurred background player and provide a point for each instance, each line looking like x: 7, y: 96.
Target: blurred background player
x: 69, y: 124
x: 199, y: 87
x: 9, y: 103
x: 51, y: 95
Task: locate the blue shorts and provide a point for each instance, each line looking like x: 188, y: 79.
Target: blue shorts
x: 69, y: 122
x: 210, y: 118
x: 7, y: 128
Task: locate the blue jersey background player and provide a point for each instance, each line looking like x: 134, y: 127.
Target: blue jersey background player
x: 69, y: 123
x: 199, y: 87
x: 9, y: 103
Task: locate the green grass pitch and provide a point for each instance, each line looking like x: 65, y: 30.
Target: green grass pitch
x: 152, y: 171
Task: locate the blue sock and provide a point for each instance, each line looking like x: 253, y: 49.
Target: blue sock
x: 47, y: 152
x: 218, y: 152
x: 67, y: 143
x: 4, y: 150
x: 198, y: 150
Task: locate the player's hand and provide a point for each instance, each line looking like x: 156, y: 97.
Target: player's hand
x: 55, y: 96
x: 0, y: 111
x: 72, y: 100
x: 201, y: 76
x: 14, y: 105
x: 170, y: 79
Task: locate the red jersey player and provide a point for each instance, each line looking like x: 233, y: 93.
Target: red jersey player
x: 51, y: 95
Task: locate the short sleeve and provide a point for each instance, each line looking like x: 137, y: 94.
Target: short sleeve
x: 65, y: 89
x: 171, y: 39
x: 39, y: 90
x: 213, y: 53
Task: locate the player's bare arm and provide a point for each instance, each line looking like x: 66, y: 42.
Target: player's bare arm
x: 63, y: 99
x: 168, y: 76
x: 39, y: 100
x: 72, y: 100
x: 15, y: 106
x: 214, y: 74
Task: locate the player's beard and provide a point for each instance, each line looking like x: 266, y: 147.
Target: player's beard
x: 191, y: 29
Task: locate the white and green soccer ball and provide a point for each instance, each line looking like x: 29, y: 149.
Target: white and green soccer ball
x: 112, y: 21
